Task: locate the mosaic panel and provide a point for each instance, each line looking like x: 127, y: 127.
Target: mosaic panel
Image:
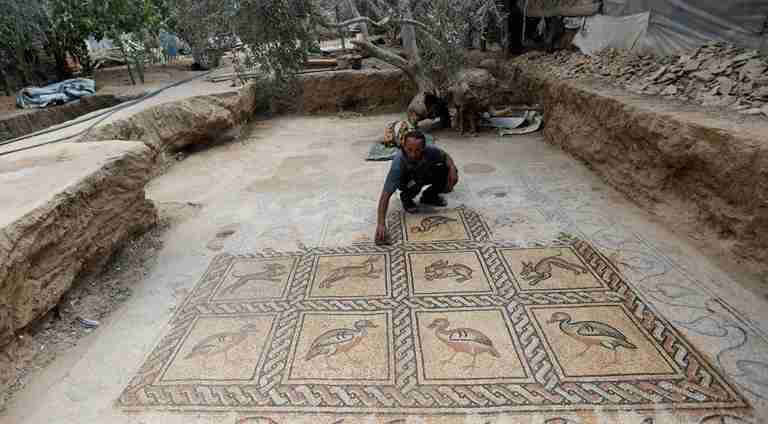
x: 438, y: 323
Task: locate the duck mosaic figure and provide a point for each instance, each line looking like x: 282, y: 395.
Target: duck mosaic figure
x: 340, y: 340
x: 592, y: 333
x: 463, y: 340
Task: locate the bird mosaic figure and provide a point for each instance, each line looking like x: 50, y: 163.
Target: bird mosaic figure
x: 463, y: 340
x: 219, y: 343
x: 431, y: 223
x: 340, y: 340
x: 592, y: 333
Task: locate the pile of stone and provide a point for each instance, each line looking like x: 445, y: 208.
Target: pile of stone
x: 716, y: 74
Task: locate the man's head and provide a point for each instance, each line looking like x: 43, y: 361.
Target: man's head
x: 413, y: 146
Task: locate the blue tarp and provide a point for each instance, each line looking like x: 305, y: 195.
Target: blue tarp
x: 55, y: 94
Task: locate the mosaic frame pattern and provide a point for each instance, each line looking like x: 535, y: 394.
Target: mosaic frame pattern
x: 694, y: 384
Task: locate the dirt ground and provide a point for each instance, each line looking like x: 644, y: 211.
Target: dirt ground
x: 92, y: 297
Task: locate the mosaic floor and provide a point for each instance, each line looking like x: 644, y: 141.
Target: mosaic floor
x: 446, y: 320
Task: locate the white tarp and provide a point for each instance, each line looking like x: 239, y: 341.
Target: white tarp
x: 600, y: 32
x: 679, y: 25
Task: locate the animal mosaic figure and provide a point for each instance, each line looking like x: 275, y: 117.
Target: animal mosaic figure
x: 340, y: 340
x: 255, y: 420
x: 272, y: 272
x: 441, y: 269
x: 219, y: 343
x: 592, y: 333
x: 431, y: 223
x: 364, y: 270
x: 463, y: 340
x: 542, y: 270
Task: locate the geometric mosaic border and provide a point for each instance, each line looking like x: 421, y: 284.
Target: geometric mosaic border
x: 692, y: 382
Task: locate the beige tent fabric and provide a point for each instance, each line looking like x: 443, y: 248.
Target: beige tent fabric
x: 679, y: 25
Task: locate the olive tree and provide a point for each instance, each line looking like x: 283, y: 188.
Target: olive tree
x: 200, y: 23
x: 278, y: 34
x: 131, y: 24
x: 433, y: 35
x: 22, y: 27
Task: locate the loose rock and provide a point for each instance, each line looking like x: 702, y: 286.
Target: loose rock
x: 716, y: 74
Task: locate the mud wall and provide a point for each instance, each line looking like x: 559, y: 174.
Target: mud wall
x: 336, y: 91
x: 663, y: 155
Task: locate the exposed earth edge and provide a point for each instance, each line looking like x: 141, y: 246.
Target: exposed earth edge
x: 701, y: 174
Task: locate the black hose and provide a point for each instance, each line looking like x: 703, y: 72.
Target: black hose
x: 103, y: 115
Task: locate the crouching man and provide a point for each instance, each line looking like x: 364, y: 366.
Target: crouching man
x: 416, y: 165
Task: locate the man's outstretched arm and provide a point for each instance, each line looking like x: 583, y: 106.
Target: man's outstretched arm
x: 381, y: 219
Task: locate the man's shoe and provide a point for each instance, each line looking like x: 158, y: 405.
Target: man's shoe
x: 409, y: 205
x: 436, y: 200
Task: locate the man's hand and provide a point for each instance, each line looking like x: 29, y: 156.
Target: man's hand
x: 453, y: 178
x: 381, y: 234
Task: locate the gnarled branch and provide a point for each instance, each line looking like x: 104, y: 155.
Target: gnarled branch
x: 420, y: 25
x: 385, y: 55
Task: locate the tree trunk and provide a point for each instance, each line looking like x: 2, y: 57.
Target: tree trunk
x: 6, y: 84
x: 408, y: 34
x: 356, y: 12
x: 84, y: 58
x: 341, y: 30
x: 121, y: 46
x: 427, y: 102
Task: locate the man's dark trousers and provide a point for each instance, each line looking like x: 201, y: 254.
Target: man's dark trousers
x: 436, y: 179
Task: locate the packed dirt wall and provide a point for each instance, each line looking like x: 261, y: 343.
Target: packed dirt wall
x: 691, y: 166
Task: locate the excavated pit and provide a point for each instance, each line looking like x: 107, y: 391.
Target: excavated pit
x: 703, y: 173
x: 685, y: 166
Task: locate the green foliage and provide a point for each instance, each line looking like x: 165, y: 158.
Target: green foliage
x: 198, y: 22
x: 277, y: 32
x: 441, y: 54
x: 21, y: 25
x: 71, y: 22
x: 62, y: 26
